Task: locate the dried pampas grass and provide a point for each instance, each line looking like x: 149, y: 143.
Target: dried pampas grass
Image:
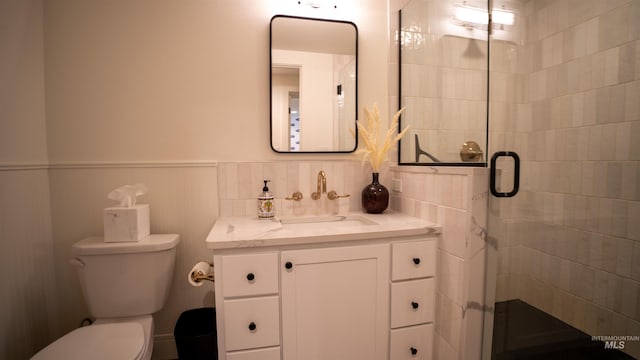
x: 374, y: 151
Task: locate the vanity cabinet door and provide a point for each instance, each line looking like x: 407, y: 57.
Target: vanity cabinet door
x: 335, y: 303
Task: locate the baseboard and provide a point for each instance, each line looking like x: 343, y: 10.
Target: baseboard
x: 164, y: 347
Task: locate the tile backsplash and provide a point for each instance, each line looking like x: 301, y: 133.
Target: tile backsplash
x: 240, y: 183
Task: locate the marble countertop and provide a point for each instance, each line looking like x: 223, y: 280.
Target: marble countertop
x: 243, y: 232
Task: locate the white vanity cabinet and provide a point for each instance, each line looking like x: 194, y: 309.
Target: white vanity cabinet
x: 356, y: 302
x: 355, y: 293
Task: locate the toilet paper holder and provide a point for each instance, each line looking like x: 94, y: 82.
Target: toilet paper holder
x: 199, y: 276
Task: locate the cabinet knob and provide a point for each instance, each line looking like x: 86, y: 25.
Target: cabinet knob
x: 250, y: 276
x: 252, y: 326
x: 288, y: 265
x: 416, y: 261
x: 414, y: 305
x: 414, y: 351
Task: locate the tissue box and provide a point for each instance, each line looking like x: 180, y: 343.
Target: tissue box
x: 123, y: 224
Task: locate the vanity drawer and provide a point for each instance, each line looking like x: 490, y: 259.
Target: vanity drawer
x: 412, y: 302
x: 413, y: 260
x: 412, y: 343
x: 258, y: 354
x: 245, y: 275
x: 251, y: 323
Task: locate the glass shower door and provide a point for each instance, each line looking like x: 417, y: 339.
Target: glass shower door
x: 563, y: 273
x: 443, y: 82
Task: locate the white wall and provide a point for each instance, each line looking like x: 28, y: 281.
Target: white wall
x: 157, y: 92
x: 28, y: 312
x: 174, y: 80
x: 22, y: 105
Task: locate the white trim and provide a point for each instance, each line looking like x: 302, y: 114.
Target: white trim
x: 133, y: 164
x: 107, y: 165
x: 23, y: 166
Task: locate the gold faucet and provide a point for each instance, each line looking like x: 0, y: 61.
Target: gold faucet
x: 322, y: 186
x: 322, y: 189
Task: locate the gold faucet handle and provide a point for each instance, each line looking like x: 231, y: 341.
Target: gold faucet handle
x: 332, y: 195
x: 297, y: 196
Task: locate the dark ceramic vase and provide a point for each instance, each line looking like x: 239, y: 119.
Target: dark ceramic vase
x: 375, y: 197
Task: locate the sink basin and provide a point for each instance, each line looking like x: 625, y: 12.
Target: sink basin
x: 331, y: 221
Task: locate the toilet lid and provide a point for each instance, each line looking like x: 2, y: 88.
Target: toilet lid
x: 97, y: 342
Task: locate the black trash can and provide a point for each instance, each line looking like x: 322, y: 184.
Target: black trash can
x: 196, y: 336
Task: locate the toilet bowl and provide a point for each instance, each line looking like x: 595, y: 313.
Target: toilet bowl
x: 123, y: 285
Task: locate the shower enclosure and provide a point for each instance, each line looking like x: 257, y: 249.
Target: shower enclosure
x: 558, y: 83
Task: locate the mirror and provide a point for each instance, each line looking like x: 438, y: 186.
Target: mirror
x: 314, y: 66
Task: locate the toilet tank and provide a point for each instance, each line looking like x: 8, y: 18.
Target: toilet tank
x: 125, y: 279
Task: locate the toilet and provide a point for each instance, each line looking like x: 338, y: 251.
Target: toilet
x: 123, y: 284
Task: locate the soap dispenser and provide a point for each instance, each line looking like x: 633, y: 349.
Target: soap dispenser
x: 265, y: 203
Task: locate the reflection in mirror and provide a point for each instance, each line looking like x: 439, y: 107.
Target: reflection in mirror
x: 285, y: 105
x: 313, y: 84
x: 443, y: 82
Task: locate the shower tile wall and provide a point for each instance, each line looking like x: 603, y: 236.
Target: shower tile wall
x: 456, y: 198
x: 570, y: 241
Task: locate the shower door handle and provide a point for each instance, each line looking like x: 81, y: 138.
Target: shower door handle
x: 516, y: 174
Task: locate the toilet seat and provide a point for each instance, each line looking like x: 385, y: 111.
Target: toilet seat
x: 98, y: 342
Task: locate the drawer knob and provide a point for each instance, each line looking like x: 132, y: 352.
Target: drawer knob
x: 288, y: 265
x: 252, y: 326
x: 415, y: 305
x: 414, y: 351
x: 416, y: 261
x: 250, y: 276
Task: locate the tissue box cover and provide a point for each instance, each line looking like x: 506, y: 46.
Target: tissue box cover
x: 123, y: 224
